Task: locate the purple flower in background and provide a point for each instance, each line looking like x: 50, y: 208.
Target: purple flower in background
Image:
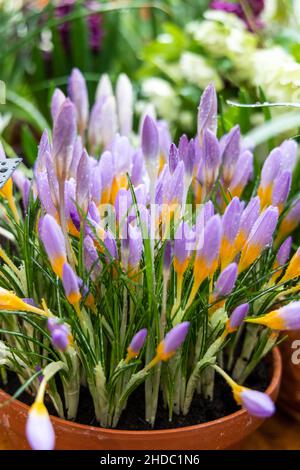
x: 255, y: 8
x: 283, y: 253
x: 71, y: 285
x: 94, y: 22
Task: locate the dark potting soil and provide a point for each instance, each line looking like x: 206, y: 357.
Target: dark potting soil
x: 202, y: 410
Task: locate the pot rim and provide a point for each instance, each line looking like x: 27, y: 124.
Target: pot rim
x: 276, y: 376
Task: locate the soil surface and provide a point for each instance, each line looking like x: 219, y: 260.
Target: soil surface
x: 202, y: 410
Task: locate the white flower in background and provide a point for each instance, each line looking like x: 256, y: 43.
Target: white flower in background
x: 195, y: 69
x: 162, y: 95
x: 277, y: 73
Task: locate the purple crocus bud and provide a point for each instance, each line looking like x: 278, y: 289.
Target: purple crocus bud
x: 104, y: 88
x: 136, y: 344
x: 77, y: 152
x: 231, y: 220
x: 289, y: 151
x: 249, y: 216
x: 281, y: 189
x: 133, y: 248
x: 52, y: 179
x: 189, y: 158
x: 111, y: 246
x: 124, y: 95
x: 109, y: 122
x: 260, y: 237
x: 174, y: 187
x: 168, y: 255
x: 39, y: 430
x: 78, y: 93
x: 206, y: 212
x: 64, y: 134
x: 172, y: 341
x: 70, y: 283
x: 269, y: 173
x: 183, y: 147
x: 164, y: 138
x: 226, y: 281
x: 209, y: 246
x: 173, y: 158
x: 284, y: 318
x: 183, y: 244
x: 242, y: 174
x: 60, y: 339
x: 137, y: 167
x: 24, y: 185
x: 211, y: 158
x: 237, y: 317
x: 150, y: 142
x: 83, y: 182
x: 207, y: 112
x: 58, y: 99
x: 95, y: 124
x: 106, y: 172
x: 43, y: 147
x: 284, y: 251
x: 91, y: 258
x: 257, y: 403
x: 54, y: 243
x: 230, y: 148
x: 44, y: 193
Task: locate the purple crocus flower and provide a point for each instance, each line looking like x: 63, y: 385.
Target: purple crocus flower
x: 39, y: 430
x: 54, y: 243
x: 64, y: 134
x: 183, y: 244
x: 71, y: 286
x: 150, y: 139
x: 137, y: 168
x: 172, y: 341
x: 164, y: 138
x: 60, y: 333
x: 237, y: 317
x: 207, y: 111
x: 257, y: 403
x: 284, y: 318
x: 226, y: 281
x: 83, y: 182
x: 78, y: 93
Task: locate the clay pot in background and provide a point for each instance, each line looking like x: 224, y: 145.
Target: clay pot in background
x: 223, y: 433
x: 289, y: 398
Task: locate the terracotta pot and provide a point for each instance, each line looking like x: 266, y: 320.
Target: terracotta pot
x: 289, y: 398
x: 223, y: 433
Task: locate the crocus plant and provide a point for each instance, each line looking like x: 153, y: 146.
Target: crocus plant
x: 132, y: 260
